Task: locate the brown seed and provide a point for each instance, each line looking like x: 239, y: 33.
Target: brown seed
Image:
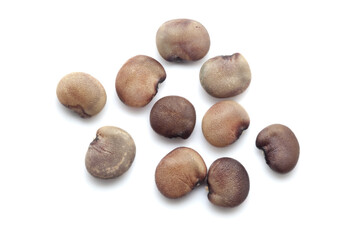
x: 182, y: 40
x: 179, y: 172
x: 228, y: 182
x: 111, y: 153
x: 81, y: 93
x: 173, y: 116
x: 138, y: 79
x: 280, y: 146
x: 225, y: 76
x: 224, y: 122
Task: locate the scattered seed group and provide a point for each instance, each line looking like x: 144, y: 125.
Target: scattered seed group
x: 113, y: 150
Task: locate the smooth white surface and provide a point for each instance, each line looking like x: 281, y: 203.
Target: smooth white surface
x: 304, y: 58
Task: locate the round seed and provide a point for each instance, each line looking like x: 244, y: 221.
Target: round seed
x: 81, y: 93
x: 280, y: 146
x: 138, y: 79
x: 179, y: 172
x: 173, y: 116
x: 225, y: 76
x: 111, y: 153
x: 182, y: 40
x: 228, y: 182
x: 224, y: 122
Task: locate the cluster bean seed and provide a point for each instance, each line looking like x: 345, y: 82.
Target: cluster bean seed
x: 81, y: 93
x: 111, y: 153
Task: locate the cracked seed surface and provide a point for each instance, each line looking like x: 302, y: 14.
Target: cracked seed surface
x: 138, y: 79
x: 225, y: 76
x: 228, y: 182
x: 182, y: 40
x: 81, y: 93
x: 280, y: 146
x: 111, y: 153
x: 179, y: 172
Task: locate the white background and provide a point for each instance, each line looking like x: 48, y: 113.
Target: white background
x: 304, y: 58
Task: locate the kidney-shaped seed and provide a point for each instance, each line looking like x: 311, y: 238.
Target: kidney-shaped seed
x: 81, y: 93
x: 280, y: 146
x: 224, y: 122
x: 179, y: 172
x: 225, y: 76
x: 111, y: 153
x: 228, y: 182
x: 173, y: 116
x: 138, y: 79
x: 182, y: 40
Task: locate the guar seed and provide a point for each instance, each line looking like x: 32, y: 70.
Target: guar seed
x: 225, y: 76
x: 111, y: 153
x: 179, y: 172
x: 280, y: 146
x: 224, y: 122
x: 228, y: 182
x: 138, y: 79
x: 173, y: 116
x: 182, y: 40
x: 81, y: 93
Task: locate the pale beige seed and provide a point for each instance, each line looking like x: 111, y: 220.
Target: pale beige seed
x: 111, y: 153
x: 179, y: 172
x: 224, y: 122
x: 138, y: 79
x: 225, y: 76
x: 182, y: 40
x: 81, y: 93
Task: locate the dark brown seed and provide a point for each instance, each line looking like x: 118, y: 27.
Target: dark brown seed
x: 224, y: 122
x: 138, y: 79
x: 111, y: 153
x: 280, y: 146
x: 179, y: 172
x: 173, y: 116
x: 182, y: 40
x: 225, y: 76
x: 228, y: 182
x: 81, y: 93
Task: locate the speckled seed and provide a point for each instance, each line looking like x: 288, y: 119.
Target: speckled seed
x: 179, y: 172
x: 81, y: 93
x: 111, y: 153
x: 280, y: 146
x: 228, y: 182
x: 182, y: 40
x: 138, y: 79
x: 173, y: 116
x: 225, y: 76
x: 224, y: 122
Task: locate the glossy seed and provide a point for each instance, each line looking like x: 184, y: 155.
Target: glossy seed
x: 81, y: 93
x: 182, y: 40
x: 179, y: 172
x: 111, y: 153
x: 228, y: 182
x: 280, y: 146
x: 224, y: 122
x: 173, y: 116
x: 138, y: 79
x: 225, y: 76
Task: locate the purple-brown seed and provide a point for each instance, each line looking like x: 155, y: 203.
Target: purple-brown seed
x: 81, y: 93
x: 173, y: 116
x: 138, y: 79
x: 280, y: 146
x: 228, y: 182
x: 111, y: 153
x: 225, y: 76
x: 182, y: 40
x: 224, y: 122
x: 179, y: 172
